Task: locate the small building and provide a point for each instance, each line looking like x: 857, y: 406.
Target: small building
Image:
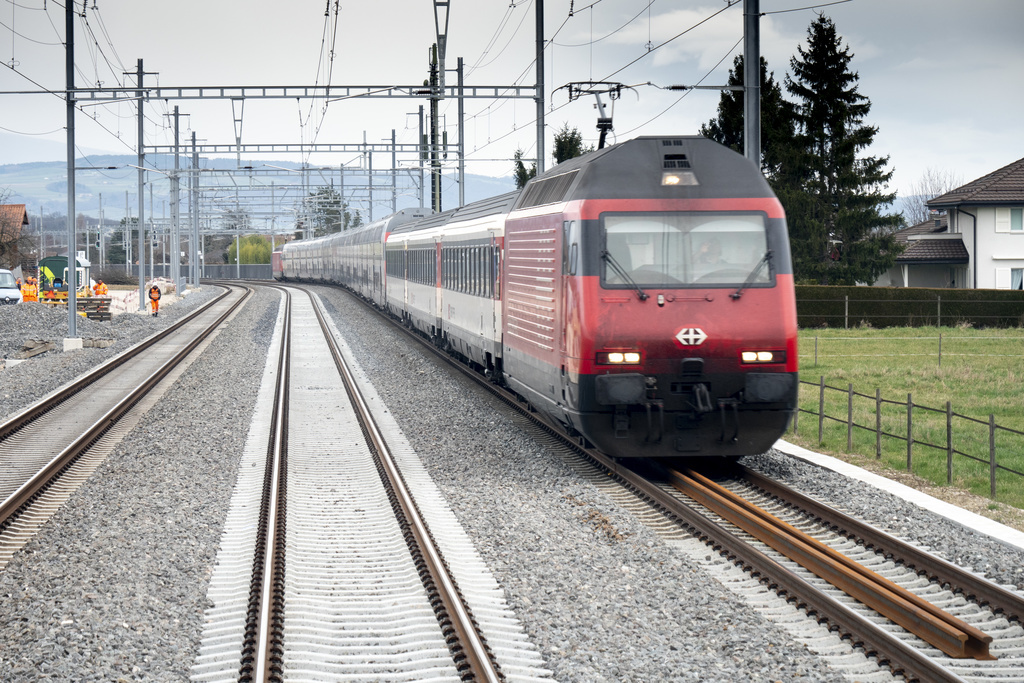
x: 12, y: 218
x: 932, y: 257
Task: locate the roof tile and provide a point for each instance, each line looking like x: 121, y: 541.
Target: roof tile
x: 1005, y: 186
x: 935, y: 251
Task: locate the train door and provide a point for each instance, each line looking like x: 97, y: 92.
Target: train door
x: 438, y: 289
x: 494, y: 286
x: 569, y: 337
x: 404, y: 274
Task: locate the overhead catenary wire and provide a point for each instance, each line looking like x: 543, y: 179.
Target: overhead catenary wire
x: 680, y: 99
x: 491, y: 109
x: 673, y: 38
x: 78, y: 69
x: 607, y: 35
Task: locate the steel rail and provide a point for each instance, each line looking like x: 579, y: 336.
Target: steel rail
x: 900, y: 656
x: 948, y: 633
x: 262, y: 642
x: 50, y: 401
x: 478, y: 662
x: 935, y: 568
x: 41, y: 480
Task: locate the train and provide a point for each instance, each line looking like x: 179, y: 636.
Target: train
x: 641, y: 295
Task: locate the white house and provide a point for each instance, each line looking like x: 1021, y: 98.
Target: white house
x: 986, y: 217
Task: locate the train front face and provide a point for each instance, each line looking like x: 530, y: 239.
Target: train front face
x: 681, y: 316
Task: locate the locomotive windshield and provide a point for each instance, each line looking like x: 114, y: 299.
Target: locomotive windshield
x: 665, y: 250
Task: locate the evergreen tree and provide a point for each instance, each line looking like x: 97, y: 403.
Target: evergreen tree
x: 329, y: 213
x: 522, y: 174
x: 568, y: 145
x: 777, y: 120
x: 832, y: 197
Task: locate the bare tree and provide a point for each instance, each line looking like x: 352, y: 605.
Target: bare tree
x: 933, y: 183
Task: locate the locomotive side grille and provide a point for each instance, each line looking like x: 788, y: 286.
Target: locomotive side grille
x: 677, y: 161
x: 530, y: 286
x: 548, y: 191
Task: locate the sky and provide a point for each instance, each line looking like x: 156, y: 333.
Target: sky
x: 944, y: 77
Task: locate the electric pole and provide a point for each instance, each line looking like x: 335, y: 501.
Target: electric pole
x: 142, y: 181
x: 69, y: 66
x: 540, y: 87
x: 752, y: 81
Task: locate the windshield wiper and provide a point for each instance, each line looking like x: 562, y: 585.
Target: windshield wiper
x: 622, y: 273
x: 753, y: 274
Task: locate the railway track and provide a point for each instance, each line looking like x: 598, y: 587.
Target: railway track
x: 354, y: 570
x: 934, y: 621
x: 48, y: 449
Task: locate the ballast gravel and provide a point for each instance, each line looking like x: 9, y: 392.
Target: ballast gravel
x: 23, y: 383
x: 114, y: 586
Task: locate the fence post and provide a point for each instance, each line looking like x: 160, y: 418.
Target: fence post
x: 949, y: 442
x: 910, y: 431
x: 878, y: 424
x: 815, y: 352
x: 940, y: 349
x: 940, y: 318
x: 992, y: 455
x: 846, y: 311
x: 821, y: 407
x: 849, y: 418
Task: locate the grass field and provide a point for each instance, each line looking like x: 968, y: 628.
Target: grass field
x: 979, y: 373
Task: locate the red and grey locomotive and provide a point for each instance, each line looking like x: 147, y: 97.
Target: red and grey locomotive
x: 641, y: 294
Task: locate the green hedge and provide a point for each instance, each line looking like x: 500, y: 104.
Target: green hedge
x: 827, y: 306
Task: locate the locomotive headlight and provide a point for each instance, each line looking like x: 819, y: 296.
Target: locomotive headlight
x: 678, y: 178
x: 763, y: 356
x: 618, y: 358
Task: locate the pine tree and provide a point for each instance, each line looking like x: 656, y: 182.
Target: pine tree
x: 777, y: 120
x: 568, y: 144
x: 522, y: 174
x: 833, y: 199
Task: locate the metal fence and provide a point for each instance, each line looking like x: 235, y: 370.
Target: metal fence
x: 919, y: 345
x: 908, y: 437
x: 259, y: 271
x: 256, y: 271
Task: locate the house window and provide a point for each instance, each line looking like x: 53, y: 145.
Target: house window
x: 1017, y: 278
x: 1009, y: 220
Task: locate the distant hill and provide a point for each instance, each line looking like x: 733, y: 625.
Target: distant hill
x: 43, y: 185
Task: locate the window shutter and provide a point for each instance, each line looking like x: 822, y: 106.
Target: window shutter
x: 1002, y: 278
x: 1002, y: 220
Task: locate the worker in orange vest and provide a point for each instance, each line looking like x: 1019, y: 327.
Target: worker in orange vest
x: 154, y: 299
x: 99, y: 289
x: 29, y: 290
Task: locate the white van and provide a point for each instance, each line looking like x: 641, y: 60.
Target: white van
x: 9, y: 292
